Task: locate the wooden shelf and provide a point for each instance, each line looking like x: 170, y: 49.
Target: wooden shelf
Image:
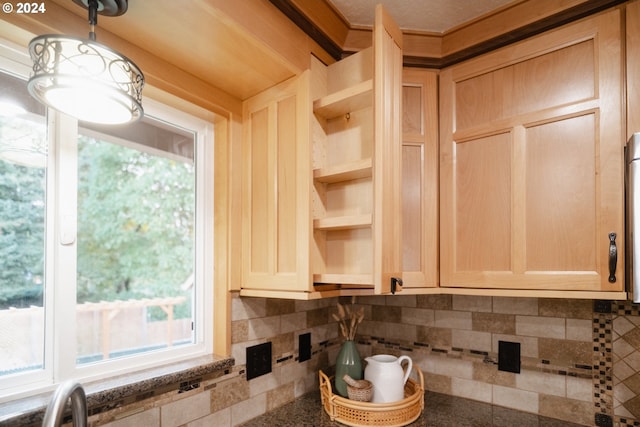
x: 343, y: 222
x: 345, y: 172
x: 318, y: 293
x: 344, y: 279
x: 344, y: 101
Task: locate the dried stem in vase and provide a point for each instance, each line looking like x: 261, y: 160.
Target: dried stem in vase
x: 349, y: 319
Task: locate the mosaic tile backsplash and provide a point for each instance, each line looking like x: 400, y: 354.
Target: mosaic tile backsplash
x: 624, y: 333
x: 455, y: 339
x: 580, y: 359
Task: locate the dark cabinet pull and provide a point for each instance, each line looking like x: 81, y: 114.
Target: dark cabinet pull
x: 613, y: 257
x: 395, y: 281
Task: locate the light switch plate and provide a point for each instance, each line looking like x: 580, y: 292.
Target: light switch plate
x: 304, y: 347
x: 509, y: 356
x: 258, y: 360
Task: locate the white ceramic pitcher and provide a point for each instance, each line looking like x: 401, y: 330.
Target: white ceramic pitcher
x: 388, y: 378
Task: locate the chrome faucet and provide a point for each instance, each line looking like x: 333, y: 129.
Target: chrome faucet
x: 68, y: 390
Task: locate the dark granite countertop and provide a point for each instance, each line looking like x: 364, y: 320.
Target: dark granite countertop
x: 440, y: 410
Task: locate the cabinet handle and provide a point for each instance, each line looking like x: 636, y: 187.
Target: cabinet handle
x: 395, y: 281
x: 613, y: 257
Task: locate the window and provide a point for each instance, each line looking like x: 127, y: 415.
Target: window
x: 105, y: 234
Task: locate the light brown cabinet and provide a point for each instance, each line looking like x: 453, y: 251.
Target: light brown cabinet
x: 322, y: 177
x: 357, y: 165
x: 275, y: 188
x: 348, y: 182
x: 419, y: 180
x: 531, y: 164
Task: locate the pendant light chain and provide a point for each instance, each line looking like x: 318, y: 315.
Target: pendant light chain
x: 93, y: 18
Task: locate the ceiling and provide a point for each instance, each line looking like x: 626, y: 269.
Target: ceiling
x: 435, y: 16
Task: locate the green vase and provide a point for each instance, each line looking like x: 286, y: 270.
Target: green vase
x: 347, y: 362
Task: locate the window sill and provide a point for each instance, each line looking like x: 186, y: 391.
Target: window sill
x: 118, y: 391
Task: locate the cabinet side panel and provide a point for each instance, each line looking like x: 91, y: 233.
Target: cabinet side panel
x: 483, y: 204
x: 561, y: 195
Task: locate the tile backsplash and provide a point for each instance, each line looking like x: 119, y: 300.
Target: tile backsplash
x: 228, y: 399
x: 624, y: 345
x: 580, y: 360
x: 454, y: 340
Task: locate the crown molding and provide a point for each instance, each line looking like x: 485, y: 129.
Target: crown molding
x: 322, y: 23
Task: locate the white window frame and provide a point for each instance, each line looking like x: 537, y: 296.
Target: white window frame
x: 60, y: 337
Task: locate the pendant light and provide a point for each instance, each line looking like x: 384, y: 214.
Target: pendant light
x: 86, y: 79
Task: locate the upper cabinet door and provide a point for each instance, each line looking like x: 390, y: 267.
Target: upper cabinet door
x: 532, y: 178
x: 275, y: 188
x: 387, y: 162
x: 419, y: 179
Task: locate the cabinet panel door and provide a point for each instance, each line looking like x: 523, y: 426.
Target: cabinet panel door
x: 419, y: 178
x: 483, y: 204
x: 531, y: 161
x: 560, y: 204
x: 387, y: 162
x: 275, y: 189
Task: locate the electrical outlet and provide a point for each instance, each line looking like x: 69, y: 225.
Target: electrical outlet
x: 509, y: 356
x: 258, y: 360
x: 602, y: 306
x: 304, y: 347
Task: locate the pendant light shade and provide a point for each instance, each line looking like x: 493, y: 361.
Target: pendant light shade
x: 85, y: 79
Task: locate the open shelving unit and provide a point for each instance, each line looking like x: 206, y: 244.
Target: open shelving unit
x: 343, y: 171
x: 357, y: 162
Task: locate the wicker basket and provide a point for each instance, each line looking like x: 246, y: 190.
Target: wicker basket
x: 393, y: 414
x: 363, y: 392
